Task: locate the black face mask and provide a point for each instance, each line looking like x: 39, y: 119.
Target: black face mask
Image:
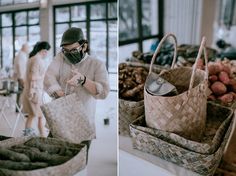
x: 74, y: 57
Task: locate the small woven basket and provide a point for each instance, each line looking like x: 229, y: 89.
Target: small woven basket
x: 185, y: 113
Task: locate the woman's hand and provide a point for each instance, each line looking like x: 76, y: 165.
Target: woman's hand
x: 77, y: 79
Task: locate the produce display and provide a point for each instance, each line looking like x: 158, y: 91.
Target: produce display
x: 36, y: 154
x: 186, y: 55
x: 131, y: 82
x: 222, y: 82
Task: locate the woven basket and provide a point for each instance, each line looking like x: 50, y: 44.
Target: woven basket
x: 69, y: 168
x: 185, y: 113
x: 68, y: 120
x: 131, y: 110
x: 204, y: 164
x: 217, y: 123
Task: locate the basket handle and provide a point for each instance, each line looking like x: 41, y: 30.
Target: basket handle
x: 159, y: 48
x: 201, y: 49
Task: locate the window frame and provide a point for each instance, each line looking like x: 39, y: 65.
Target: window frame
x: 140, y: 39
x: 13, y: 28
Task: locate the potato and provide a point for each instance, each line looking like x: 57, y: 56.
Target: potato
x: 226, y: 98
x: 213, y: 69
x: 200, y: 64
x: 218, y: 88
x: 213, y: 78
x: 232, y: 85
x: 224, y: 77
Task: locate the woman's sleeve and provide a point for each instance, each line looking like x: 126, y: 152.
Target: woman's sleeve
x: 101, y: 80
x: 51, y: 79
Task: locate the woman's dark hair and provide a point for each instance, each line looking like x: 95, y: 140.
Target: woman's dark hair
x: 83, y: 42
x: 38, y: 47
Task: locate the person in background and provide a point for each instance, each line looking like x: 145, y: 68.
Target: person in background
x: 20, y: 64
x: 84, y: 75
x: 33, y: 90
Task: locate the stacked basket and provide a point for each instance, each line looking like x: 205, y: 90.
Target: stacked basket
x: 131, y: 110
x: 183, y: 129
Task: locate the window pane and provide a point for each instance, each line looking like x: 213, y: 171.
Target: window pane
x: 6, y: 19
x: 6, y: 2
x: 34, y: 34
x: 81, y: 25
x: 125, y: 51
x: 127, y: 20
x: 98, y: 40
x: 33, y: 17
x: 112, y: 48
x: 78, y: 13
x: 20, y: 18
x: 8, y: 48
x: 149, y: 45
x: 112, y: 10
x: 98, y: 11
x: 60, y: 29
x: 149, y: 11
x: 62, y: 14
x: 20, y: 37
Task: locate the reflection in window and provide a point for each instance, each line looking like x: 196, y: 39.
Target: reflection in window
x: 34, y: 34
x: 20, y: 18
x: 6, y: 19
x: 98, y: 40
x: 149, y: 11
x: 7, y: 51
x: 33, y: 17
x: 10, y: 2
x: 62, y: 14
x: 20, y: 37
x: 78, y: 13
x: 127, y: 21
x: 112, y: 10
x: 98, y: 11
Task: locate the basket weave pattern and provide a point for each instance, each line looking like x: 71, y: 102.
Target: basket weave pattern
x: 185, y: 113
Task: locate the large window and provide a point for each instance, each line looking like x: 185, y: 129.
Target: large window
x: 140, y: 24
x: 98, y: 21
x: 17, y: 28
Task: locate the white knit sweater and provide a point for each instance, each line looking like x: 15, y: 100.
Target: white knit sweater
x: 59, y: 71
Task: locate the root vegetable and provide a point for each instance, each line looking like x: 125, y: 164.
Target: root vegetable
x: 213, y: 78
x: 232, y: 85
x: 218, y: 88
x: 213, y: 69
x: 224, y: 77
x: 234, y: 95
x: 53, y: 159
x: 226, y: 98
x: 13, y: 165
x: 11, y: 155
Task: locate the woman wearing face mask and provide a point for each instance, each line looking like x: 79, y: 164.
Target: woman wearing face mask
x: 82, y: 74
x: 33, y: 91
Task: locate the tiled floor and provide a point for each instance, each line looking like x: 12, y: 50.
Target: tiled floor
x: 103, y: 152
